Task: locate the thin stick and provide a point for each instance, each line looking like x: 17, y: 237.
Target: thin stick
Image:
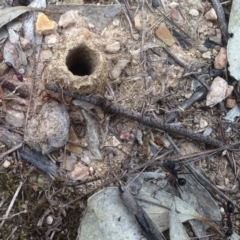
x: 110, y: 108
x: 11, y: 204
x: 10, y: 150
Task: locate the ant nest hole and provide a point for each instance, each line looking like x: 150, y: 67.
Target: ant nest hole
x: 78, y: 67
x: 82, y: 60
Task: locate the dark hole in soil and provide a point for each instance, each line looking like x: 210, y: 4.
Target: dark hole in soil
x: 82, y: 60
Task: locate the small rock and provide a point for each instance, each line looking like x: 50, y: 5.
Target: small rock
x: 207, y: 55
x: 195, y: 119
x: 113, y: 47
x: 25, y: 44
x: 116, y: 23
x: 48, y: 131
x: 51, y: 40
x: 216, y: 39
x: 173, y: 5
x: 230, y: 102
x: 164, y: 34
x: 203, y: 123
x: 44, y: 25
x: 194, y: 12
x: 177, y: 17
x: 6, y: 164
x: 138, y: 21
x: 207, y: 132
x: 117, y: 69
x: 219, y: 91
x: 15, y: 118
x: 80, y: 172
x: 46, y: 55
x: 49, y: 220
x: 211, y: 15
x: 221, y: 59
x: 202, y: 48
x: 91, y: 26
x: 3, y: 68
x: 68, y: 19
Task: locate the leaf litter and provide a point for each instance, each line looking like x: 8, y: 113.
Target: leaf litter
x: 128, y: 90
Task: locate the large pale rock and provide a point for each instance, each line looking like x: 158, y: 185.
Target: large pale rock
x: 48, y: 131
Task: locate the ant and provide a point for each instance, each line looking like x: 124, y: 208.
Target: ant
x: 170, y: 167
x: 229, y: 210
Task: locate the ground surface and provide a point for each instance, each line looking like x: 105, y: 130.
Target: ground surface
x: 151, y: 84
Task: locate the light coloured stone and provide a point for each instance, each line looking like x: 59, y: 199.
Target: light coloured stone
x: 211, y: 15
x: 49, y: 220
x: 15, y: 118
x: 25, y: 44
x: 6, y: 164
x: 207, y: 55
x: 221, y: 59
x: 230, y: 102
x: 203, y: 123
x: 173, y: 5
x: 113, y: 47
x: 68, y: 19
x: 51, y: 40
x: 219, y: 91
x: 44, y: 25
x: 46, y: 55
x: 194, y: 12
x: 116, y: 23
x: 91, y: 26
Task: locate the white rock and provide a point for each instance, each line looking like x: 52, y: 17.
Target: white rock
x: 194, y: 12
x: 49, y: 220
x: 207, y: 55
x: 46, y: 55
x: 51, y: 40
x: 173, y: 5
x: 113, y: 47
x: 203, y: 123
x: 116, y: 23
x: 68, y: 19
x: 211, y: 15
x: 6, y: 164
x: 219, y: 91
x: 91, y: 26
x: 15, y: 118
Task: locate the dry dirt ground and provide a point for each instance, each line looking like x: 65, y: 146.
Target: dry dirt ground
x: 151, y: 83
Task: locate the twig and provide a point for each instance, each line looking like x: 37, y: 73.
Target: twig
x: 10, y: 150
x: 221, y: 20
x: 11, y: 204
x: 110, y: 108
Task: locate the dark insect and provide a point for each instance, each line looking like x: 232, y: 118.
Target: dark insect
x: 229, y: 209
x: 170, y: 167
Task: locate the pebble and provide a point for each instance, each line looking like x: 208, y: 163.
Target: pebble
x: 202, y: 48
x: 68, y: 19
x: 46, y: 55
x: 15, y: 118
x: 194, y: 12
x: 116, y: 23
x: 221, y: 59
x: 49, y: 220
x: 207, y: 132
x: 44, y: 25
x: 6, y: 164
x: 25, y: 44
x: 3, y: 68
x: 51, y: 40
x: 207, y: 55
x: 216, y: 39
x: 203, y: 123
x: 230, y: 102
x: 211, y: 15
x: 113, y: 47
x: 173, y: 5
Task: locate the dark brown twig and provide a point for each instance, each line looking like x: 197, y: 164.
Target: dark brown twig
x: 110, y: 108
